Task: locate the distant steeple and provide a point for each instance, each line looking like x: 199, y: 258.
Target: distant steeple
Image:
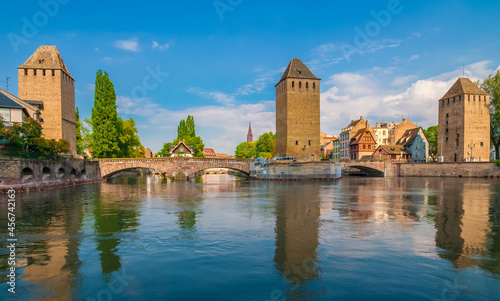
x: 249, y: 135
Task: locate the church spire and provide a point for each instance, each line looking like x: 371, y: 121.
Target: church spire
x: 249, y: 135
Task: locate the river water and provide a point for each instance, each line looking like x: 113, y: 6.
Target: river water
x: 356, y: 239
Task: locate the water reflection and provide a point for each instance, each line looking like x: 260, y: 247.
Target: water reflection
x: 297, y: 229
x: 223, y: 239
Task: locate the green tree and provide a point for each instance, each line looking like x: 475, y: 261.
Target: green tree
x: 491, y: 85
x: 432, y: 135
x: 104, y: 118
x: 266, y: 145
x: 185, y: 131
x: 79, y: 141
x: 86, y: 128
x: 25, y: 140
x: 246, y: 150
x: 128, y: 139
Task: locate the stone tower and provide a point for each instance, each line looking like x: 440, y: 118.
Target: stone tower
x: 44, y: 77
x: 249, y: 135
x: 298, y: 113
x: 464, y: 123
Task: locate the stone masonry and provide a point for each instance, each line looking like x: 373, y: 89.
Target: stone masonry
x: 44, y: 77
x: 298, y: 113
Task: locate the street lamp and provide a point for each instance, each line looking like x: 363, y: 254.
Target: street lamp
x: 471, y: 146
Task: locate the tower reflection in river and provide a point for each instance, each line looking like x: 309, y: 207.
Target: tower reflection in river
x: 297, y: 230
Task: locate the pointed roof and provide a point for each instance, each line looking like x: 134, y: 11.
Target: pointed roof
x: 297, y: 69
x: 393, y: 150
x: 181, y: 142
x: 463, y: 86
x: 46, y: 57
x: 409, y: 136
x: 356, y: 139
x: 249, y: 129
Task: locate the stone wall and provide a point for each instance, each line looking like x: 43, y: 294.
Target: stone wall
x: 466, y: 170
x: 36, y: 174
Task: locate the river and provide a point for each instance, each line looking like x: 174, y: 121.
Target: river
x: 137, y: 238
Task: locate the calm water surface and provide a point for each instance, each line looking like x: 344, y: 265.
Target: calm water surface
x: 357, y: 239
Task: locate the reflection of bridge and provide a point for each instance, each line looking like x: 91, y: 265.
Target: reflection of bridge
x: 378, y: 168
x: 177, y: 167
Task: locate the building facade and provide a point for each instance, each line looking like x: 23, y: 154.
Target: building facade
x: 398, y: 129
x: 382, y: 132
x: 349, y: 132
x: 298, y: 113
x: 415, y: 141
x: 464, y: 123
x: 362, y: 145
x: 336, y: 150
x: 44, y: 79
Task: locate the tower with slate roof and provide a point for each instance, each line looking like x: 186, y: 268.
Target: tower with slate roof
x: 44, y: 78
x: 298, y: 113
x: 464, y: 123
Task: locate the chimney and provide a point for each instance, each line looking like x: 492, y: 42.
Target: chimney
x: 377, y: 125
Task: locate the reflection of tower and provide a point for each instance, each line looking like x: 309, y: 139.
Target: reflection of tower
x: 463, y: 223
x: 297, y: 214
x: 249, y: 135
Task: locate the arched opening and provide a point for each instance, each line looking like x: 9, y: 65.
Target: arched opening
x: 300, y: 85
x: 26, y: 174
x: 73, y: 172
x: 293, y: 84
x: 61, y: 172
x: 46, y: 172
x: 83, y: 172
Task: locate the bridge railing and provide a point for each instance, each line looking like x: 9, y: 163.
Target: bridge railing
x: 173, y: 159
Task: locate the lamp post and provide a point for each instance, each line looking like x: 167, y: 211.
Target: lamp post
x: 471, y: 146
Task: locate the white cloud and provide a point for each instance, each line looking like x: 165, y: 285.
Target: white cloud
x: 162, y: 47
x: 414, y: 57
x: 402, y: 80
x: 96, y: 49
x: 220, y: 97
x: 129, y: 45
x: 351, y: 95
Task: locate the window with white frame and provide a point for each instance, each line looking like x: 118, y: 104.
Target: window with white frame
x: 5, y: 113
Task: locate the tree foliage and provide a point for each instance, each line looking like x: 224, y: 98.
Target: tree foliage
x: 128, y: 139
x: 104, y: 118
x: 491, y: 85
x: 186, y: 132
x: 79, y: 140
x: 266, y: 145
x: 26, y: 140
x: 246, y: 150
x: 432, y: 135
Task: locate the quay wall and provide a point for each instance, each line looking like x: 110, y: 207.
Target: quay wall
x: 32, y: 175
x: 446, y: 169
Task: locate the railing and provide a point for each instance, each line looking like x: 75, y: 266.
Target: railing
x: 200, y: 160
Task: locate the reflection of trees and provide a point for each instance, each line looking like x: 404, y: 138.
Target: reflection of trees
x: 493, y: 246
x: 111, y: 219
x: 297, y: 228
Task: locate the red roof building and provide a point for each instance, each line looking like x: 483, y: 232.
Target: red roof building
x: 210, y: 153
x: 362, y: 144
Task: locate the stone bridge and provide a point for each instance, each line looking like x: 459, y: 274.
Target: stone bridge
x: 176, y: 167
x: 380, y: 168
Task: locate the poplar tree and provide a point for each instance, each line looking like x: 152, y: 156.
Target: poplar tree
x: 79, y: 141
x: 104, y: 118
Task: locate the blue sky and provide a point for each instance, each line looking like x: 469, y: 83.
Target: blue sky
x: 219, y: 60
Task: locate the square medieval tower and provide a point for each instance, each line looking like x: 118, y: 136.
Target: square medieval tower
x: 464, y: 123
x: 44, y: 77
x: 298, y: 113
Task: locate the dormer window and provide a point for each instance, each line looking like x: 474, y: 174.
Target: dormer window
x: 299, y: 72
x: 40, y: 61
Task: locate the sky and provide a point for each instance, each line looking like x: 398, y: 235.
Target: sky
x: 219, y: 60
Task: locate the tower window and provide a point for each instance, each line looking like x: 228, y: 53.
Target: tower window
x: 314, y: 85
x: 43, y: 71
x: 293, y: 84
x: 458, y: 140
x: 307, y: 85
x: 482, y: 144
x: 34, y: 71
x: 309, y: 142
x: 53, y: 72
x: 300, y: 85
x: 296, y: 142
x: 25, y: 71
x: 448, y: 101
x: 469, y: 97
x: 446, y: 139
x: 447, y: 115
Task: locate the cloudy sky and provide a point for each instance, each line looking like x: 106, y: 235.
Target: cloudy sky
x: 219, y: 60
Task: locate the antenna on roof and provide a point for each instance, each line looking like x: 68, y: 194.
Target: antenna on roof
x: 7, y: 83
